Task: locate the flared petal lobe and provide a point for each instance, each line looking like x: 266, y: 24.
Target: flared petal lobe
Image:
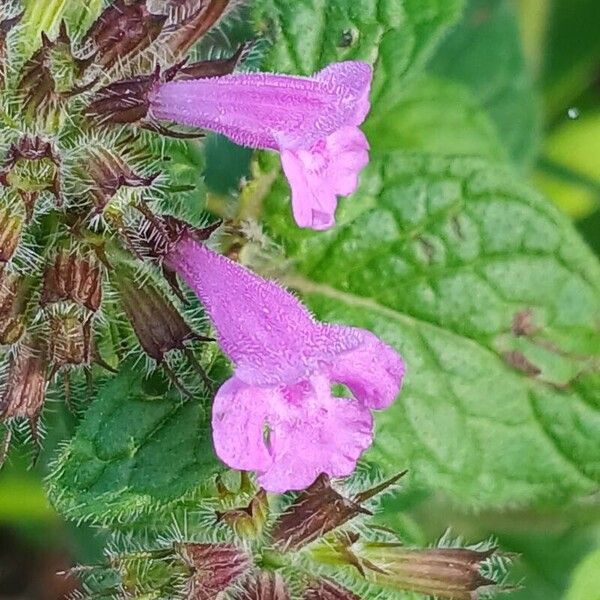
x: 372, y: 370
x: 318, y: 175
x: 289, y: 434
x: 312, y: 121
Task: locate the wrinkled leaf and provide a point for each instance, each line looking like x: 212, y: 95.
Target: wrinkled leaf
x: 310, y: 34
x: 435, y: 116
x: 494, y: 302
x: 137, y: 445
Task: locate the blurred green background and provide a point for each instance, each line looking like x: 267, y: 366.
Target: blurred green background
x: 558, y: 549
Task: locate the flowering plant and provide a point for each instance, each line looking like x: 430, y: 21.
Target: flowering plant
x: 281, y: 297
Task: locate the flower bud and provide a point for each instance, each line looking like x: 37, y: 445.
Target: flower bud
x: 70, y: 341
x: 10, y: 234
x: 25, y: 386
x: 451, y: 573
x: 156, y: 322
x: 122, y: 30
x: 71, y: 277
x: 215, y: 567
x: 105, y: 172
x: 247, y: 522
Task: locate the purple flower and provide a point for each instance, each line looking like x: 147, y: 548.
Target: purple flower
x: 312, y: 121
x: 277, y: 415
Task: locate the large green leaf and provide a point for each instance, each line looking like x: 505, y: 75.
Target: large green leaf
x: 138, y: 444
x: 484, y: 53
x: 435, y: 116
x: 494, y: 302
x: 398, y: 35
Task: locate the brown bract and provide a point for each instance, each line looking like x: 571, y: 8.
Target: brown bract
x: 315, y: 512
x: 35, y: 150
x: 324, y: 589
x: 264, y: 585
x: 124, y: 28
x: 75, y: 278
x: 191, y: 19
x: 12, y: 307
x: 215, y: 567
x: 25, y: 388
x: 156, y: 322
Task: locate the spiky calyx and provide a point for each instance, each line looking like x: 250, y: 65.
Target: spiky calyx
x: 81, y: 183
x: 320, y: 544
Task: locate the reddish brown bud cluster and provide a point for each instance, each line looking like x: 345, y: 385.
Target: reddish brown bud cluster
x: 78, y: 281
x: 316, y: 511
x: 34, y: 150
x: 123, y: 28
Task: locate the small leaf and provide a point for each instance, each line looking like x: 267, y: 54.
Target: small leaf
x: 440, y: 257
x: 137, y: 444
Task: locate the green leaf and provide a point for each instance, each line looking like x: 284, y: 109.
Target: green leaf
x: 309, y: 34
x: 484, y: 53
x: 441, y: 257
x: 586, y: 579
x: 435, y: 116
x: 572, y: 52
x: 138, y: 444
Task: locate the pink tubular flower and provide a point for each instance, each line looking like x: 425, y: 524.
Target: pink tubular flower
x: 277, y: 415
x: 312, y: 121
